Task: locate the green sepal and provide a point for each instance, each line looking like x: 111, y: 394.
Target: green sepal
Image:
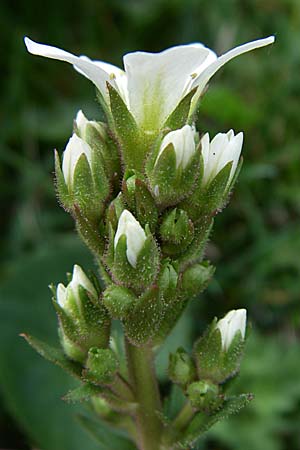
x: 194, y: 252
x: 203, y: 422
x: 119, y: 301
x: 172, y: 311
x: 54, y: 355
x: 167, y: 281
x: 169, y: 184
x: 82, y: 393
x: 181, y: 369
x: 234, y: 178
x: 205, y: 396
x: 139, y: 199
x: 208, y: 200
x: 91, y: 232
x: 127, y: 131
x: 101, y: 366
x: 95, y: 318
x: 176, y: 231
x: 196, y: 278
x: 63, y: 194
x: 179, y: 117
x: 143, y: 321
x: 140, y: 277
x: 114, y: 211
x: 68, y: 326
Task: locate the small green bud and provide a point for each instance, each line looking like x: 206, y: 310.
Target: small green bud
x: 196, y: 278
x: 176, y: 231
x: 139, y: 199
x: 101, y: 366
x: 204, y: 395
x: 167, y: 281
x: 119, y: 301
x: 181, y: 369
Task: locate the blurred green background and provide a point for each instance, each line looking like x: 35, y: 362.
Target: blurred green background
x: 256, y: 241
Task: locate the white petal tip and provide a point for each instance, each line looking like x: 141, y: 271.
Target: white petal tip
x: 30, y: 45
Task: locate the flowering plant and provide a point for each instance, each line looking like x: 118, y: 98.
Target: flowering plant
x: 143, y: 188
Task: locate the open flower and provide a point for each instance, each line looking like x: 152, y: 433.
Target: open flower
x: 233, y: 322
x: 152, y: 84
x: 183, y: 141
x: 135, y: 236
x: 224, y: 148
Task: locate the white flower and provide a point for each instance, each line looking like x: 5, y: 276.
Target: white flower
x: 183, y: 141
x: 74, y: 149
x: 135, y: 236
x: 152, y: 84
x: 79, y: 278
x: 224, y: 147
x: 233, y: 322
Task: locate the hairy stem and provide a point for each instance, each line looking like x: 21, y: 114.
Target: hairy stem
x: 144, y: 383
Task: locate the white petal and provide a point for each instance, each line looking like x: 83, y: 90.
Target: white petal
x: 233, y: 322
x: 158, y: 81
x: 61, y: 295
x: 81, y: 121
x: 211, y: 69
x: 74, y: 149
x: 84, y: 65
x: 80, y: 278
x: 135, y: 236
x: 183, y: 141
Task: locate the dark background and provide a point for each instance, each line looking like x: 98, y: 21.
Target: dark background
x: 256, y: 241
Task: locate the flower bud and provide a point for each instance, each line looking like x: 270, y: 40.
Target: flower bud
x: 132, y: 256
x: 76, y: 147
x: 183, y: 142
x: 204, y: 395
x: 83, y: 127
x: 84, y: 322
x: 173, y: 172
x: 218, y: 353
x: 232, y: 323
x: 223, y: 149
x: 181, y: 367
x: 101, y: 366
x: 139, y: 199
x: 135, y: 236
x: 176, y: 231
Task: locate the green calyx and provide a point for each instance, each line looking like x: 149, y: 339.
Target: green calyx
x: 101, y: 366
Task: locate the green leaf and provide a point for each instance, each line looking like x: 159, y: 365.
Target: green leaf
x: 82, y: 393
x: 106, y: 436
x: 202, y: 422
x: 55, y: 355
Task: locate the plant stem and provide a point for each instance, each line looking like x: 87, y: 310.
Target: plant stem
x: 144, y: 382
x: 184, y: 416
